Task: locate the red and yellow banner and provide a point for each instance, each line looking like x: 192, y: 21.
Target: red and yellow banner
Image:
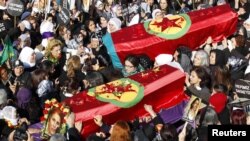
x: 191, y: 29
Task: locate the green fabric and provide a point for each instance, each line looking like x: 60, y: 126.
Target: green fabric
x: 8, y: 51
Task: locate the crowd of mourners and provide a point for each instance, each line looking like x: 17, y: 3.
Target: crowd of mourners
x: 52, y: 60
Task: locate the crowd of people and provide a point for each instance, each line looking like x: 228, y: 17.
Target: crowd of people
x: 52, y: 60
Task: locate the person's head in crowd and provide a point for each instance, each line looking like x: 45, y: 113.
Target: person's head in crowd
x: 94, y: 42
x: 238, y: 41
x: 9, y: 113
x: 50, y: 18
x: 55, y: 121
x: 120, y: 131
x: 162, y: 59
x: 23, y: 97
x: 199, y: 77
x: 53, y: 50
x: 83, y: 30
x: 47, y: 66
x: 117, y: 10
x: 238, y: 117
x: 107, y: 7
x: 54, y: 5
x: 221, y: 2
x: 21, y: 134
x: 4, y: 74
x: 32, y: 21
x: 131, y: 65
x: 57, y: 137
x: 183, y: 55
x: 28, y: 57
x: 47, y: 32
x: 70, y: 87
x: 24, y: 26
x: 218, y: 101
x: 99, y: 5
x: 92, y: 64
x: 53, y: 12
x: 246, y: 24
x: 80, y: 38
x: 23, y: 40
x: 94, y: 79
x: 38, y: 76
x: 242, y: 31
x: 201, y: 58
x: 114, y: 25
x: 18, y: 68
x: 168, y: 132
x: 157, y: 15
x: 103, y: 21
x: 182, y: 50
x: 217, y: 58
x: 3, y: 98
x: 221, y: 75
x: 145, y: 61
x: 73, y: 65
x: 219, y: 88
x: 90, y: 25
x: 210, y: 117
x: 163, y: 4
x: 166, y: 59
x: 62, y: 30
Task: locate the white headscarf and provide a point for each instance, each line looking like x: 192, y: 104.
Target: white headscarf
x: 155, y: 12
x: 9, y: 113
x: 46, y: 26
x: 166, y: 59
x: 25, y: 56
x: 116, y: 22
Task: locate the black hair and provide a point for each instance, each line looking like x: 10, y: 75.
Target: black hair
x: 134, y: 60
x: 95, y: 79
x: 169, y: 133
x: 20, y: 133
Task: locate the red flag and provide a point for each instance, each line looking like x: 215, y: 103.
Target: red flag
x: 192, y: 30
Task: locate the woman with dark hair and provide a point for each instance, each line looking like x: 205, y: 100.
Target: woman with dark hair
x: 198, y: 83
x: 48, y: 67
x: 6, y: 79
x: 221, y: 75
x: 165, y: 7
x: 169, y: 133
x: 131, y: 66
x: 70, y: 88
x: 42, y: 86
x: 183, y: 55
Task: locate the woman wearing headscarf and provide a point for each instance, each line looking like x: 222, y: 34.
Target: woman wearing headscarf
x: 28, y: 57
x: 114, y: 25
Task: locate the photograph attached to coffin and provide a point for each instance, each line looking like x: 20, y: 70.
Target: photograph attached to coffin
x: 54, y: 118
x: 192, y: 108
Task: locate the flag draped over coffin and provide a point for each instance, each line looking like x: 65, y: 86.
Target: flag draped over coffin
x: 154, y: 38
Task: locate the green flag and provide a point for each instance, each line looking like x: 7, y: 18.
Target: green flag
x: 8, y: 51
